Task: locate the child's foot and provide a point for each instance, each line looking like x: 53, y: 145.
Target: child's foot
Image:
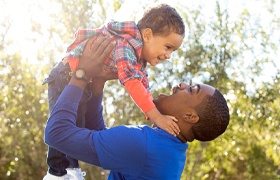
x: 77, y: 173
x: 49, y: 176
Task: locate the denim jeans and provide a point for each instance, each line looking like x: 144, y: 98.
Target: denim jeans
x: 58, y: 78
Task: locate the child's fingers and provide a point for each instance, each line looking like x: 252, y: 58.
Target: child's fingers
x: 170, y: 131
x: 175, y: 128
x: 173, y: 118
x: 174, y: 125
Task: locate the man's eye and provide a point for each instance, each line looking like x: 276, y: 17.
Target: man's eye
x: 194, y: 88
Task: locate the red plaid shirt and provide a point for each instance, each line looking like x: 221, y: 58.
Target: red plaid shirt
x: 124, y: 59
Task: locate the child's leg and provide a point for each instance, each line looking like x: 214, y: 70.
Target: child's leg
x: 57, y: 80
x: 57, y: 162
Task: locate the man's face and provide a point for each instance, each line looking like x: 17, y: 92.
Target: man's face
x: 183, y: 96
x: 157, y: 48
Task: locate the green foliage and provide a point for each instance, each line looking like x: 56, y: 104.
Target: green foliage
x: 248, y: 148
x: 23, y: 116
x: 118, y: 104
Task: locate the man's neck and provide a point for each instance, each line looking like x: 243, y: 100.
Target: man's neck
x: 182, y: 138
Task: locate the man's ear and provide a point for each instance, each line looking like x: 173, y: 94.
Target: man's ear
x: 190, y: 116
x: 147, y: 34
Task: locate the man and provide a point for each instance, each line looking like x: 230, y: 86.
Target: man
x: 133, y: 152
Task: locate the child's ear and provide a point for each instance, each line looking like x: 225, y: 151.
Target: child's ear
x: 147, y: 34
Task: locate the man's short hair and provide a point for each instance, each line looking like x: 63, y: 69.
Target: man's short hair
x: 214, y: 117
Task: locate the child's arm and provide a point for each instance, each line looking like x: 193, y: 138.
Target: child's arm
x: 165, y: 122
x: 144, y: 100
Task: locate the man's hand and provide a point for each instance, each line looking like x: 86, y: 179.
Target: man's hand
x: 94, y: 55
x: 92, y: 60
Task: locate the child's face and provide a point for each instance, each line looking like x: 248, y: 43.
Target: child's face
x: 158, y: 48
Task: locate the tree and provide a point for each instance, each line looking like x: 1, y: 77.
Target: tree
x: 213, y: 60
x: 23, y: 117
x: 226, y: 52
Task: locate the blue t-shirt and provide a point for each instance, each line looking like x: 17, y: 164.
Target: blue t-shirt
x: 140, y: 152
x: 130, y: 152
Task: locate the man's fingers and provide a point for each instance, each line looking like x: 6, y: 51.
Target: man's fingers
x: 95, y: 44
x: 87, y: 50
x: 90, y: 42
x: 108, y: 50
x: 100, y: 45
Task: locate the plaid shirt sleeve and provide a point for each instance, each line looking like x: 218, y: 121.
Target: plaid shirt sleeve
x: 127, y: 64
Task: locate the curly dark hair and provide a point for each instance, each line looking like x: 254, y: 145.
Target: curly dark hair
x: 163, y: 20
x: 214, y: 117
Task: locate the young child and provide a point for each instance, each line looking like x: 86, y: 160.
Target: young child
x: 159, y: 33
x: 152, y: 40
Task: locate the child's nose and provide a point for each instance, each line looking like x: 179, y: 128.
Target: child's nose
x: 167, y: 55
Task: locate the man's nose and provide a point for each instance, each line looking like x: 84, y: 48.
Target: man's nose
x: 182, y: 85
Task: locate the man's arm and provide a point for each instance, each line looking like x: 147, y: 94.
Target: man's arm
x: 61, y: 131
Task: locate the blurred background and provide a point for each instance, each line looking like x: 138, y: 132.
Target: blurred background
x: 230, y: 44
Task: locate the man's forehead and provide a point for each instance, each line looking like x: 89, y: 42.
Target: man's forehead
x: 207, y: 89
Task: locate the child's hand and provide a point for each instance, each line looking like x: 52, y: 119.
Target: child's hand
x: 167, y: 123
